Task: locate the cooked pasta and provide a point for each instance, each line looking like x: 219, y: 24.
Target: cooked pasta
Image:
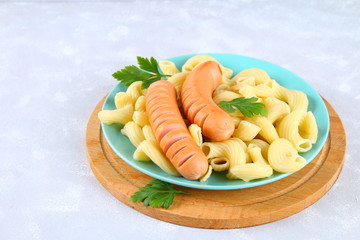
x: 260, y: 75
x: 236, y: 121
x: 264, y: 146
x: 193, y: 62
x: 246, y: 131
x: 153, y: 151
x: 297, y: 100
x: 279, y: 91
x: 255, y: 169
x: 250, y: 80
x: 221, y: 87
x: 289, y: 128
x: 262, y: 90
x: 135, y: 90
x: 177, y: 80
x: 250, y: 171
x: 284, y: 158
x: 232, y: 149
x: 227, y: 72
x: 245, y: 90
x: 219, y: 164
x: 276, y: 109
x: 148, y: 133
x: 140, y: 104
x: 140, y: 118
x: 226, y: 84
x: 195, y: 132
x: 308, y: 128
x: 122, y: 99
x: 140, y: 155
x: 267, y: 129
x: 225, y: 95
x: 256, y: 154
x: 122, y: 115
x: 168, y: 67
x: 133, y: 132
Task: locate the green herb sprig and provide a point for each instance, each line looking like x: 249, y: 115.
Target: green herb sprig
x: 156, y: 193
x: 247, y: 106
x: 147, y: 72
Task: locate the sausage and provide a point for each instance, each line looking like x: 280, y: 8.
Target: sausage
x: 198, y: 105
x: 171, y: 132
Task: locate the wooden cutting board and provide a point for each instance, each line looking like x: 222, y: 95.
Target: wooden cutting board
x: 228, y: 208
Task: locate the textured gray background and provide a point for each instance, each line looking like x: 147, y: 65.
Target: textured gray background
x: 56, y: 61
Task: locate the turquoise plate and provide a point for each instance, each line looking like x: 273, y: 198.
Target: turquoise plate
x: 218, y: 181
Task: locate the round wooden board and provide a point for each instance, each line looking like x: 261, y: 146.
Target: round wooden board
x: 228, y: 208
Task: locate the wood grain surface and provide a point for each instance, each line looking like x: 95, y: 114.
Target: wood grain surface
x: 227, y: 208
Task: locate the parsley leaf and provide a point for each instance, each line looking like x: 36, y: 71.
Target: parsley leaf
x: 147, y: 73
x: 146, y: 83
x: 150, y: 65
x: 131, y: 74
x: 247, y: 106
x: 156, y: 193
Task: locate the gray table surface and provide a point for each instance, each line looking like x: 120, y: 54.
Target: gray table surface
x: 56, y: 61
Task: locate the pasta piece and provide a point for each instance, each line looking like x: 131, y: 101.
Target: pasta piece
x: 225, y: 95
x: 168, y: 67
x: 244, y: 146
x: 279, y: 91
x: 308, y: 128
x: 246, y: 131
x: 259, y: 75
x: 177, y: 80
x: 289, y: 128
x: 195, y: 132
x: 262, y: 90
x: 226, y: 82
x: 264, y: 146
x: 122, y: 115
x: 284, y: 158
x: 133, y: 132
x: 194, y: 61
x: 221, y: 87
x: 232, y: 149
x: 122, y: 99
x: 276, y: 109
x: 259, y: 168
x: 140, y: 104
x: 140, y: 155
x: 267, y: 130
x: 248, y: 80
x: 256, y: 154
x: 236, y: 121
x: 250, y: 171
x: 297, y: 100
x: 247, y: 91
x: 135, y: 90
x: 153, y: 151
x: 227, y: 72
x: 207, y: 175
x: 140, y: 118
x: 220, y: 164
x: 148, y: 133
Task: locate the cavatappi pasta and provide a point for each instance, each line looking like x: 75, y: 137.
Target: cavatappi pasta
x: 258, y: 146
